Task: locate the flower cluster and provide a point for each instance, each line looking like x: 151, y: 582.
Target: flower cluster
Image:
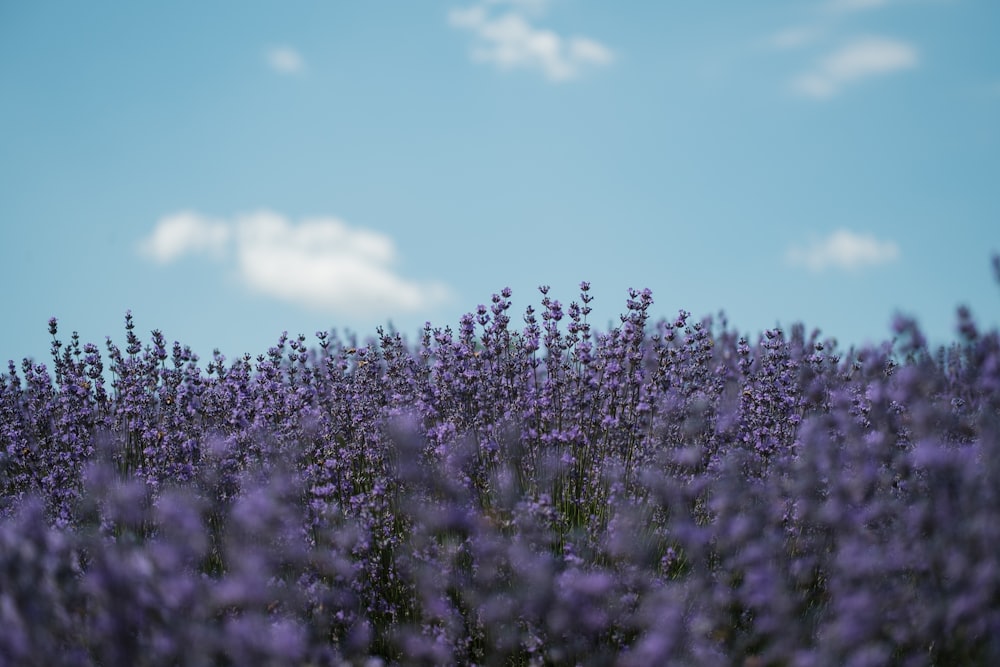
x: 665, y: 492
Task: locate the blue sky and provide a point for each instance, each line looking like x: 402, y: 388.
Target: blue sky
x: 231, y: 170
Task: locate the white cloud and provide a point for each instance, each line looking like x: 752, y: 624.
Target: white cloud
x: 184, y: 233
x: 845, y: 250
x: 861, y: 59
x: 510, y: 41
x: 285, y: 60
x: 320, y: 263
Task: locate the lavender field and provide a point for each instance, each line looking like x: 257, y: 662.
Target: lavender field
x: 521, y: 489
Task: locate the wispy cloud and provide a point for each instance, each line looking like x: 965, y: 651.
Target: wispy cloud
x: 285, y: 60
x: 186, y: 233
x: 843, y: 54
x: 845, y: 250
x: 320, y: 263
x: 510, y: 41
x: 861, y: 59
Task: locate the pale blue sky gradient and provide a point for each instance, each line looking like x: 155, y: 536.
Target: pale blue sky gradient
x: 343, y: 164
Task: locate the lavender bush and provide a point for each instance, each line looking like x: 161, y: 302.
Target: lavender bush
x: 498, y: 494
